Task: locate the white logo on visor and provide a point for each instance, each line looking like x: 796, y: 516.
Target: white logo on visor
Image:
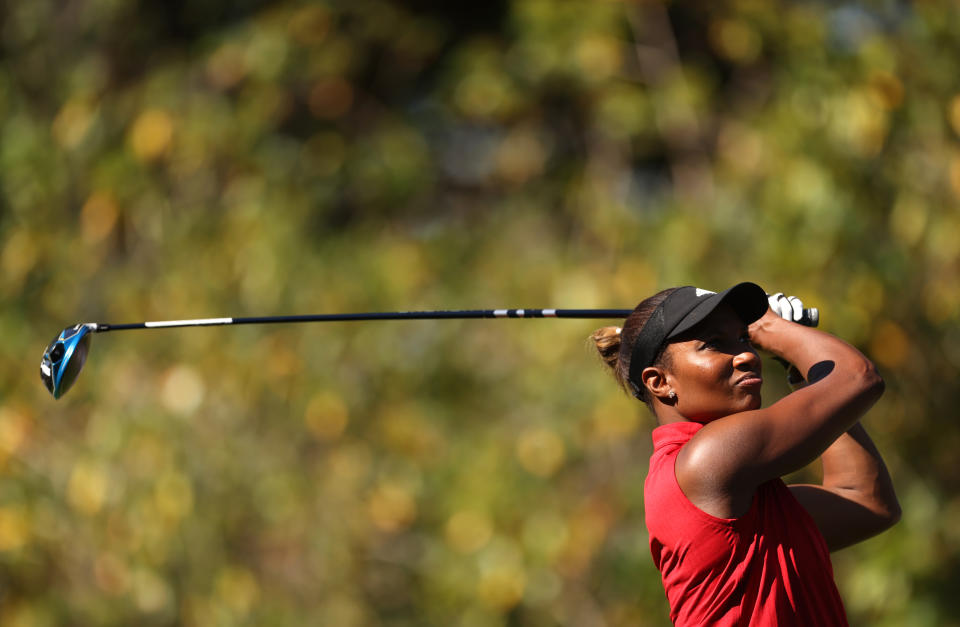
x: 701, y: 292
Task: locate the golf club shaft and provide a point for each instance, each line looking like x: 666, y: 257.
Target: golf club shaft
x: 388, y: 315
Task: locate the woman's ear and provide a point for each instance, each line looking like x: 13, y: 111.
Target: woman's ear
x: 655, y: 380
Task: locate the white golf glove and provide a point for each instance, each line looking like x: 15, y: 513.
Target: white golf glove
x: 787, y: 307
x: 790, y: 308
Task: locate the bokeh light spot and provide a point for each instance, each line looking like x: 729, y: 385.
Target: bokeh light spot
x: 73, y: 123
x: 598, y: 56
x: 405, y: 430
x: 238, y: 589
x: 521, y: 156
x: 742, y: 149
x: 310, y: 24
x: 941, y: 300
x: 391, y: 507
x: 612, y: 422
x: 183, y: 390
x: 326, y: 416
x: 888, y: 88
x: 482, y: 94
x: 735, y: 40
x: 14, y: 527
x: 860, y: 122
x: 227, y: 66
x: 468, y: 531
x: 87, y: 487
x: 953, y: 114
x: 954, y: 175
x: 151, y: 592
x: 540, y: 451
x: 151, y: 134
x: 111, y: 574
x: 15, y: 426
x: 20, y: 254
x: 503, y: 577
x: 98, y: 217
x: 890, y: 345
x: 623, y: 111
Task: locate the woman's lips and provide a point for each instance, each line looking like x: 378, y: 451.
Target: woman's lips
x: 750, y: 380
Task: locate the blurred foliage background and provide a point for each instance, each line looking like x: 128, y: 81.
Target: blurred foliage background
x: 212, y: 158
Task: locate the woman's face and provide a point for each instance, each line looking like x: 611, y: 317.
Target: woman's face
x: 713, y: 368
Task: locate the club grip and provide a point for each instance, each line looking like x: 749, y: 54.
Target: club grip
x: 810, y: 317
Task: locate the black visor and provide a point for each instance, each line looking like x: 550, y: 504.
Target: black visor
x: 684, y: 309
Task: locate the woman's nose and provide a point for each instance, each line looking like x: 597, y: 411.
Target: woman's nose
x: 746, y: 358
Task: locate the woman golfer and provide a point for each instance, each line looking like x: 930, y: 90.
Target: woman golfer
x: 733, y: 543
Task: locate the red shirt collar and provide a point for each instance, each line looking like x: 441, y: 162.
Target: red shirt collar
x: 674, y: 433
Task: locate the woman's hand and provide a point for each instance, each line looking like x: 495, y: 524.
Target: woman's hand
x: 763, y: 330
x: 790, y: 308
x: 787, y: 307
x: 782, y: 309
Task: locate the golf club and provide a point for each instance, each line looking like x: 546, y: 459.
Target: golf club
x: 66, y: 354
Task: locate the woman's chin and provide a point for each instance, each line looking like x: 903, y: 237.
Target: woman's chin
x: 748, y: 400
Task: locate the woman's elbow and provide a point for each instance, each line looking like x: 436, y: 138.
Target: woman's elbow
x: 871, y: 382
x: 886, y: 517
x: 894, y: 514
x: 886, y: 505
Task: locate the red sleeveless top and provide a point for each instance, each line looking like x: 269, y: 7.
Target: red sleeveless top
x: 770, y: 566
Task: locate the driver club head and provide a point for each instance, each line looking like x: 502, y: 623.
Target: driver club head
x: 64, y: 357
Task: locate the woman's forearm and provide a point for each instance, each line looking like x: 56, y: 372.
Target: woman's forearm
x: 852, y: 465
x: 856, y: 500
x: 814, y: 353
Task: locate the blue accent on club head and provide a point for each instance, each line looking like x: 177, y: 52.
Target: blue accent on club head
x: 63, y: 359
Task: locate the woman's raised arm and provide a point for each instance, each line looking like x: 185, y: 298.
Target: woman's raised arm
x: 856, y: 499
x: 728, y: 458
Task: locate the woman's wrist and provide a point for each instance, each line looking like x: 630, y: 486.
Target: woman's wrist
x: 764, y: 331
